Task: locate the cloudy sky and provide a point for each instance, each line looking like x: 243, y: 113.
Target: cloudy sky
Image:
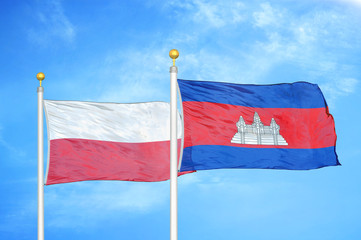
x: 117, y: 51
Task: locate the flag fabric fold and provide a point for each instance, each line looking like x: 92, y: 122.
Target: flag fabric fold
x: 108, y: 141
x: 280, y: 126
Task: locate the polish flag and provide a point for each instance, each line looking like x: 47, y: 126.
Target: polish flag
x: 108, y: 141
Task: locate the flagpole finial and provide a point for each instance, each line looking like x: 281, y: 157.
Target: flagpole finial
x: 173, y: 54
x: 40, y: 76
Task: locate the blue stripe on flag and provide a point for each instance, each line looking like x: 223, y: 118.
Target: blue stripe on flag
x: 204, y: 157
x: 286, y: 95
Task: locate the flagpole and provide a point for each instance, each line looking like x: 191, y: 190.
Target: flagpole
x: 40, y: 76
x: 173, y: 148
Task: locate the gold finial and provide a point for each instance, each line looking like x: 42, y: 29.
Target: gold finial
x: 40, y: 76
x: 173, y: 54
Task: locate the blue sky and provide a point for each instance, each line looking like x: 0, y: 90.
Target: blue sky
x: 118, y: 51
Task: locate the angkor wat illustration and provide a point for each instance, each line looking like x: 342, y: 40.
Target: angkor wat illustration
x: 258, y: 133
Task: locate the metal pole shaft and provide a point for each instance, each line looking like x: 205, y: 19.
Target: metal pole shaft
x: 40, y: 165
x: 173, y: 155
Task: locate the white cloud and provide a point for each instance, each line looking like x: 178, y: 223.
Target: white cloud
x: 338, y: 88
x: 353, y: 2
x: 268, y: 16
x: 215, y: 14
x: 304, y: 35
x: 87, y: 203
x: 218, y: 15
x: 348, y: 85
x: 213, y: 187
x: 286, y: 38
x: 135, y: 76
x: 306, y: 41
x: 52, y: 24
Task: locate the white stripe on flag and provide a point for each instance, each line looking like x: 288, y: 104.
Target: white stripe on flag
x: 136, y: 122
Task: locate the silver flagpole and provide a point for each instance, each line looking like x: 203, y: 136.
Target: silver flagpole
x: 173, y: 148
x: 40, y: 76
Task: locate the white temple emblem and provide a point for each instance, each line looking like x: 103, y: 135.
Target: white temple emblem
x: 257, y: 133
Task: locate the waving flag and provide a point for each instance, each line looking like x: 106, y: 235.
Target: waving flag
x: 108, y: 141
x: 281, y: 126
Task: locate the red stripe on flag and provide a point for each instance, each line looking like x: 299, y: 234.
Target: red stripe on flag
x: 73, y: 160
x: 215, y: 124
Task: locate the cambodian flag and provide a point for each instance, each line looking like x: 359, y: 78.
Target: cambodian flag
x: 280, y: 126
